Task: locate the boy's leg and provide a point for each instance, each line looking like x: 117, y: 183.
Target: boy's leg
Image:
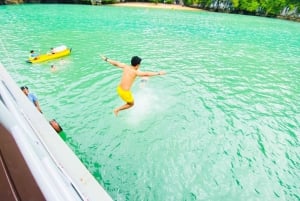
x: 123, y: 107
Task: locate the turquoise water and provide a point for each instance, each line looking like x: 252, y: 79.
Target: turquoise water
x: 223, y: 124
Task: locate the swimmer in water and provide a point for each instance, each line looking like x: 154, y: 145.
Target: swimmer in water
x: 53, y: 68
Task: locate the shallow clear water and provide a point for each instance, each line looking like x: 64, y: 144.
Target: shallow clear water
x: 223, y: 124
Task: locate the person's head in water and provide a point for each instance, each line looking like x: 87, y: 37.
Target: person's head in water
x: 135, y: 60
x: 55, y: 125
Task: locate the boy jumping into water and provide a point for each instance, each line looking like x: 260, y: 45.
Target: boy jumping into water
x: 128, y: 77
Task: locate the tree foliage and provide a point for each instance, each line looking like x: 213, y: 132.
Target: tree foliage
x: 249, y: 5
x: 258, y: 7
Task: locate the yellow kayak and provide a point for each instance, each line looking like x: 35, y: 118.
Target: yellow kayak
x: 49, y: 56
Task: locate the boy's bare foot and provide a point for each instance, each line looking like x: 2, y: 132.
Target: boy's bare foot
x: 116, y: 112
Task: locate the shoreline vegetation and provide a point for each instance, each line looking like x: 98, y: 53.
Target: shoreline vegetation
x: 281, y: 9
x: 286, y: 15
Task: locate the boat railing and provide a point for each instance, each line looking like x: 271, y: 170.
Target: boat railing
x: 58, y: 172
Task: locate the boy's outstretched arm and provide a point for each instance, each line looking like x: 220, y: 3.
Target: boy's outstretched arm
x: 113, y: 62
x: 149, y: 74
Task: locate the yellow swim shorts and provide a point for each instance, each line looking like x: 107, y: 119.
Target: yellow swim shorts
x: 125, y: 95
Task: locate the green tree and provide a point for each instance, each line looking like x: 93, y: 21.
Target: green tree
x: 235, y: 4
x: 249, y: 5
x: 273, y: 7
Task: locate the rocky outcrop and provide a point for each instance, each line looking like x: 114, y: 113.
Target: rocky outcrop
x: 290, y: 14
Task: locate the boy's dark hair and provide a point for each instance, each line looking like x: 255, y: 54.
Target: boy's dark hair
x: 31, y: 51
x: 135, y: 60
x: 23, y: 87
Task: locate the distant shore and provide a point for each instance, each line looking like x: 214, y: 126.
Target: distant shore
x: 180, y: 7
x: 154, y: 5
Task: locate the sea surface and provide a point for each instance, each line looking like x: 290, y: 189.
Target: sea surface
x: 223, y: 124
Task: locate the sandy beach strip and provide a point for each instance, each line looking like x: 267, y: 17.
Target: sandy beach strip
x: 153, y: 5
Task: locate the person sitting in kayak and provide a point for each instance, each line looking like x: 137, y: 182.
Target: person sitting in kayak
x: 51, y: 51
x: 33, y: 55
